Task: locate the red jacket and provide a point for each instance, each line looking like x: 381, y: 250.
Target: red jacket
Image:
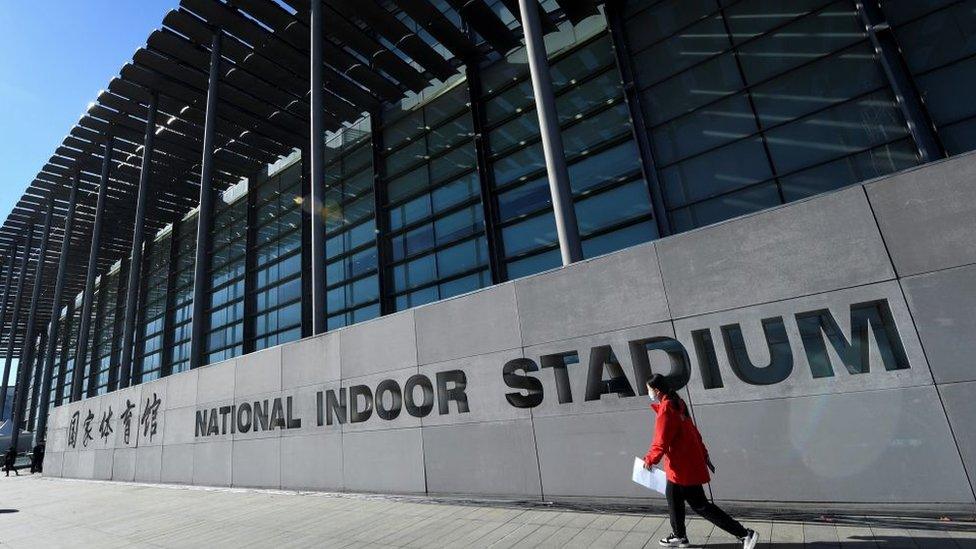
x: 677, y: 439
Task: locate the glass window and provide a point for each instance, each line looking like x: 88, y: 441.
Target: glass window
x: 743, y: 96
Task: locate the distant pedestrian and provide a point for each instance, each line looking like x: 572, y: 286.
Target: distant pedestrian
x: 9, y: 460
x: 37, y: 459
x: 687, y: 465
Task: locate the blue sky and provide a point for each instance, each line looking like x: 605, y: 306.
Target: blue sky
x: 55, y: 55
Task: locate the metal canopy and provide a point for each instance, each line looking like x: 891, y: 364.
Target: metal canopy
x: 373, y: 59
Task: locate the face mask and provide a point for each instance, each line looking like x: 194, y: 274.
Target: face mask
x: 652, y: 396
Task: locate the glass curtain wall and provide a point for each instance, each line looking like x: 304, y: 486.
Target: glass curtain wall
x: 610, y: 195
x: 68, y: 350
x: 938, y: 41
x: 352, y: 267
x: 181, y: 301
x: 227, y: 261
x: 752, y: 103
x: 104, y: 344
x: 56, y: 374
x: 152, y: 313
x: 436, y: 237
x: 277, y: 253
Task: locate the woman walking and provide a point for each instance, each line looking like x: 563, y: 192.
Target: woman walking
x: 677, y: 439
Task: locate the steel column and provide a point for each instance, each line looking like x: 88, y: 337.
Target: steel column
x: 201, y: 268
x: 3, y: 317
x: 317, y: 161
x: 52, y: 340
x: 37, y: 363
x: 132, y: 289
x: 88, y: 295
x: 920, y: 125
x: 381, y: 219
x: 552, y: 142
x: 307, y: 213
x: 59, y: 391
x: 15, y: 319
x: 27, y: 352
x: 117, y: 327
x: 486, y: 178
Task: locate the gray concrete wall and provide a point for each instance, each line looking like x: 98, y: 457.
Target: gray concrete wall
x: 891, y: 425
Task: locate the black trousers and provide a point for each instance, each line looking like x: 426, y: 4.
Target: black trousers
x: 695, y: 496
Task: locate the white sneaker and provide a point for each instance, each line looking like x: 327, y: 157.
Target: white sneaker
x: 674, y: 541
x: 749, y: 542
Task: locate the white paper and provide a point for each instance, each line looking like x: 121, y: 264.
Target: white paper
x: 655, y: 479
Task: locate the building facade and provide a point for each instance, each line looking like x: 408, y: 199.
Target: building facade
x: 384, y: 317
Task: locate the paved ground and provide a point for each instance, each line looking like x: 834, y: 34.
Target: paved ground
x: 36, y: 512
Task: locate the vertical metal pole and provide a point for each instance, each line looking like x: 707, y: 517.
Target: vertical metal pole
x: 552, y: 141
x: 615, y: 22
x: 169, y: 317
x: 38, y: 366
x: 52, y: 340
x: 12, y: 253
x: 15, y: 319
x: 920, y: 125
x: 86, y: 299
x: 307, y: 213
x: 251, y: 262
x: 8, y: 281
x: 132, y: 289
x: 317, y: 153
x: 115, y: 363
x: 201, y: 269
x: 379, y: 201
x: 59, y: 392
x: 486, y: 178
x: 27, y: 352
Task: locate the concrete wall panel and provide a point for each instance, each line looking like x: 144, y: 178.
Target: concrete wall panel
x: 960, y: 405
x: 383, y: 461
x: 103, y: 464
x: 360, y: 354
x: 176, y: 431
x: 152, y: 412
x: 592, y: 455
x: 944, y: 306
x: 258, y: 372
x: 926, y: 215
x: 825, y: 243
x: 52, y: 463
x: 375, y: 422
x: 216, y: 382
x: 212, y: 463
x: 801, y: 381
x: 496, y: 458
x: 124, y: 465
x: 181, y: 390
x: 177, y: 466
x: 257, y: 463
x: 563, y: 303
x: 873, y: 446
x: 267, y: 402
x: 57, y: 439
x: 312, y: 462
x: 311, y: 361
x: 557, y: 403
x: 473, y: 324
x: 69, y: 465
x: 148, y: 463
x: 486, y: 402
